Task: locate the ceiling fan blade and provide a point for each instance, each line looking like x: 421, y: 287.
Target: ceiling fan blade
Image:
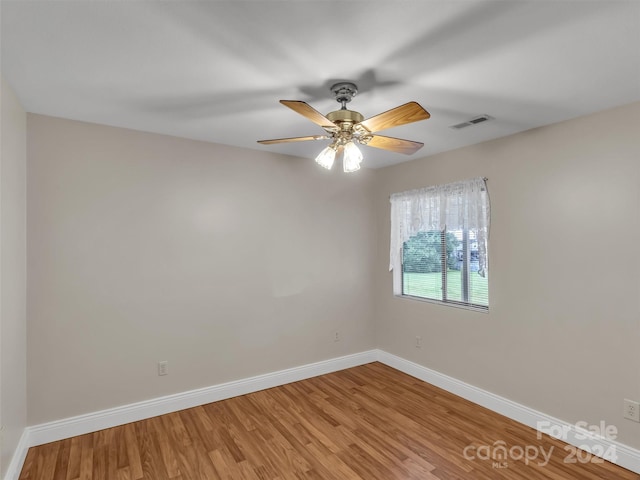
x: 394, y: 144
x: 294, y: 139
x: 311, y: 113
x: 407, y: 113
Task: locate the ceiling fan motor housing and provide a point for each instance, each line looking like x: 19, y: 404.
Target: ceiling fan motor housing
x: 347, y: 121
x: 345, y: 116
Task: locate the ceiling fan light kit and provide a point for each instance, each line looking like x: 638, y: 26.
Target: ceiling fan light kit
x: 346, y: 128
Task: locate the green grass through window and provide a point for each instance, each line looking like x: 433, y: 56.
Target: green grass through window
x: 429, y: 285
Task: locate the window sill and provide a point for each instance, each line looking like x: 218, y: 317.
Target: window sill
x: 445, y: 304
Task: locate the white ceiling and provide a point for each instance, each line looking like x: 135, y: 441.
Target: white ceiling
x: 215, y: 70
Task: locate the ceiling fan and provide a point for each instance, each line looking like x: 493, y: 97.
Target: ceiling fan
x: 346, y: 128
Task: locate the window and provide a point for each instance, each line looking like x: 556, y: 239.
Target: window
x: 439, y: 240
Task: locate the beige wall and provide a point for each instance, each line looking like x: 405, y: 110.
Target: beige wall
x: 13, y: 283
x: 226, y: 262
x: 563, y: 332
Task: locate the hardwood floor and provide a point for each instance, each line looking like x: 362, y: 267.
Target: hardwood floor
x: 369, y: 422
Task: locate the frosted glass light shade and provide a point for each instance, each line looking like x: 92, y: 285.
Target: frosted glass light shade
x: 326, y: 157
x: 352, y: 158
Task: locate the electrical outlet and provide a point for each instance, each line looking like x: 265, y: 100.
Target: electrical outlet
x: 631, y: 410
x: 418, y: 341
x: 336, y: 336
x: 163, y: 368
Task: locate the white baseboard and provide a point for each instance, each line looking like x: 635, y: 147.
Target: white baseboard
x: 81, y: 424
x: 20, y: 454
x: 626, y: 456
x: 616, y: 452
x: 70, y: 427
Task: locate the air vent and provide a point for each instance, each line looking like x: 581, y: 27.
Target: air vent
x: 473, y: 121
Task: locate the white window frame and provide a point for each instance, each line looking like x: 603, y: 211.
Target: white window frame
x: 459, y: 206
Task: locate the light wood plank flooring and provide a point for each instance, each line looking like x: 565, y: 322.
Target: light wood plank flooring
x: 369, y: 422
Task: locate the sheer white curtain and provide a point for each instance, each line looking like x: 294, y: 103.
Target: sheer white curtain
x: 455, y: 206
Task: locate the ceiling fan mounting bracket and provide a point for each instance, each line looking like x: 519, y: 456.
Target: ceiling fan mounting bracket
x: 344, y: 92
